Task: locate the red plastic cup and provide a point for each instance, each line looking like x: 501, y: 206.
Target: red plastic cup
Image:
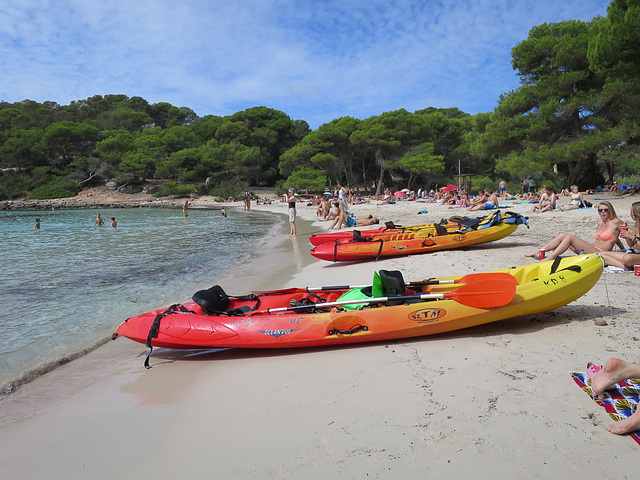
x: 541, y: 254
x: 624, y: 229
x: 636, y: 270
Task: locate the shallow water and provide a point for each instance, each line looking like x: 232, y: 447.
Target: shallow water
x: 67, y: 286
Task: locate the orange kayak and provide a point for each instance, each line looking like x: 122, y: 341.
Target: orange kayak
x: 295, y: 317
x: 481, y: 230
x: 388, y: 229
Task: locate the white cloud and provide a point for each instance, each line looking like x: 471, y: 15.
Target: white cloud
x: 316, y: 61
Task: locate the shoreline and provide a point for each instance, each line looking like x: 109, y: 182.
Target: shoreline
x: 494, y: 398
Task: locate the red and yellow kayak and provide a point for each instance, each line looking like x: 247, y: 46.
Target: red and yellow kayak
x: 442, y: 237
x: 388, y: 229
x: 268, y: 319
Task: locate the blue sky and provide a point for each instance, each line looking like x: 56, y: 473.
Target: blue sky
x: 314, y: 60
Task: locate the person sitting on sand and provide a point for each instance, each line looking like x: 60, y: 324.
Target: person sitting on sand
x: 547, y: 201
x: 491, y: 202
x: 606, y: 236
x: 479, y: 199
x: 577, y: 200
x: 368, y: 220
x: 323, y: 209
x: 341, y: 218
x: 465, y: 201
x: 334, y: 211
x: 631, y: 256
x: 348, y: 221
x: 614, y: 371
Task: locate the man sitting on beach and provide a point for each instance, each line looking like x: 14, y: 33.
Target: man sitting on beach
x: 489, y: 202
x: 547, y: 201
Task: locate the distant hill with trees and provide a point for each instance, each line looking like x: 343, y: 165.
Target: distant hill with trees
x: 574, y: 119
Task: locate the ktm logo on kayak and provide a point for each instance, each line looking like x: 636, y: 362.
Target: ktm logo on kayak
x: 459, y: 238
x: 427, y: 315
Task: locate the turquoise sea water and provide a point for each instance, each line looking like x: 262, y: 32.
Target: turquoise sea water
x: 67, y: 286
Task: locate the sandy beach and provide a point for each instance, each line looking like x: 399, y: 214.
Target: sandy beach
x: 489, y: 402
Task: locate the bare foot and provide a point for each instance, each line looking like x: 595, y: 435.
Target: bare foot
x: 628, y: 425
x: 535, y: 255
x: 614, y: 371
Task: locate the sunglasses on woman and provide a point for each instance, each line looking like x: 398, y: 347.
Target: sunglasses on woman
x: 603, y: 209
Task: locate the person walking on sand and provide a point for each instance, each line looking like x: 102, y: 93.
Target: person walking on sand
x: 99, y: 221
x: 114, y: 224
x: 291, y: 200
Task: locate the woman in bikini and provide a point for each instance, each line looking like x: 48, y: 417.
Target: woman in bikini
x: 576, y: 200
x: 631, y: 257
x: 606, y: 236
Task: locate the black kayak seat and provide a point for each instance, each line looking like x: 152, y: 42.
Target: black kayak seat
x: 392, y: 285
x: 212, y: 300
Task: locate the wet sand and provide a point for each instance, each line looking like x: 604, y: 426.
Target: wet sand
x: 490, y: 401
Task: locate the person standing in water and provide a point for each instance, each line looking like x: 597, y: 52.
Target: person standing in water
x: 99, y: 221
x: 37, y: 225
x: 223, y: 212
x: 114, y: 224
x: 185, y: 207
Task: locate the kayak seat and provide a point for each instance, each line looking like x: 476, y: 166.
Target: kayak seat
x: 440, y: 229
x: 357, y: 237
x: 212, y: 300
x: 393, y: 285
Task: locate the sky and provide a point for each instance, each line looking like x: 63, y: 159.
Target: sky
x: 313, y: 60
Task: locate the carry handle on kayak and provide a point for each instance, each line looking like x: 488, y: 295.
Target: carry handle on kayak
x: 476, y: 294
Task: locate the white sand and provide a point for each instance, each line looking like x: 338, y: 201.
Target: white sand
x: 487, y: 402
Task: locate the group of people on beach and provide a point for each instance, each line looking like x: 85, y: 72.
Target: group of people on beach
x: 608, y: 234
x: 338, y: 211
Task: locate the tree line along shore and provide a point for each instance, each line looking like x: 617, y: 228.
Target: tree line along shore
x: 575, y: 119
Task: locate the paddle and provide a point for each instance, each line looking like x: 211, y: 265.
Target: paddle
x: 472, y: 277
x: 476, y: 294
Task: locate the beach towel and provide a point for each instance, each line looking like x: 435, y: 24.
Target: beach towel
x: 613, y: 269
x: 620, y: 403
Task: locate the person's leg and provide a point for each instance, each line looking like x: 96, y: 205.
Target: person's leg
x: 571, y: 242
x: 614, y: 259
x: 614, y: 371
x: 629, y: 260
x: 551, y: 245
